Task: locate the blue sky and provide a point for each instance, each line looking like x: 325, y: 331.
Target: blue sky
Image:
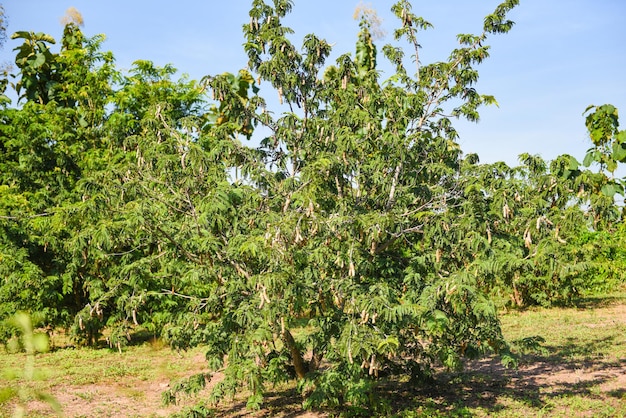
x: 561, y: 56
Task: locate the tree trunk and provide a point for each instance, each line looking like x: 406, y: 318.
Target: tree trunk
x: 298, y: 363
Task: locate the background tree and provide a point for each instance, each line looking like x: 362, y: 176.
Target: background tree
x: 537, y: 233
x: 48, y: 144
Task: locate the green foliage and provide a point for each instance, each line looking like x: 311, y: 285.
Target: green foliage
x: 530, y: 345
x: 609, y: 143
x: 345, y: 387
x: 48, y: 144
x: 188, y: 386
x: 37, y: 64
x: 198, y: 411
x: 338, y: 228
x: 355, y: 243
x: 528, y: 222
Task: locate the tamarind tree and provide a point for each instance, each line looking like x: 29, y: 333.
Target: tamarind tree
x: 328, y: 265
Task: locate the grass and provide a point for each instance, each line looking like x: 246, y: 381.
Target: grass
x: 573, y: 363
x: 103, y: 380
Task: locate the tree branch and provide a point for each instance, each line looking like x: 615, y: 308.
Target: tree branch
x: 394, y: 184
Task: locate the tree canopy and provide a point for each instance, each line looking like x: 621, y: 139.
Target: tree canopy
x: 355, y: 243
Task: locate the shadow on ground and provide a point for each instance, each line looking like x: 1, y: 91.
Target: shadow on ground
x: 485, y: 385
x: 538, y: 383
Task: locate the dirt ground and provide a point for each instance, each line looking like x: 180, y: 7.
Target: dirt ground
x: 483, y: 386
x: 483, y: 382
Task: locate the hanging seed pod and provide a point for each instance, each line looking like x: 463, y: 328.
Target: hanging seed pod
x: 528, y: 241
x: 351, y: 270
x: 373, y: 366
x: 506, y: 211
x: 298, y: 238
x: 450, y: 290
x: 310, y: 209
x: 438, y: 254
x: 558, y: 238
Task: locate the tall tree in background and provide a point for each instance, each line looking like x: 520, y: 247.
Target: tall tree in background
x: 47, y: 145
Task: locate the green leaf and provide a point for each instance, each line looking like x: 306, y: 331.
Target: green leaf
x: 389, y: 345
x: 590, y: 158
x: 619, y: 151
x: 21, y: 35
x: 40, y: 59
x: 611, y: 189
